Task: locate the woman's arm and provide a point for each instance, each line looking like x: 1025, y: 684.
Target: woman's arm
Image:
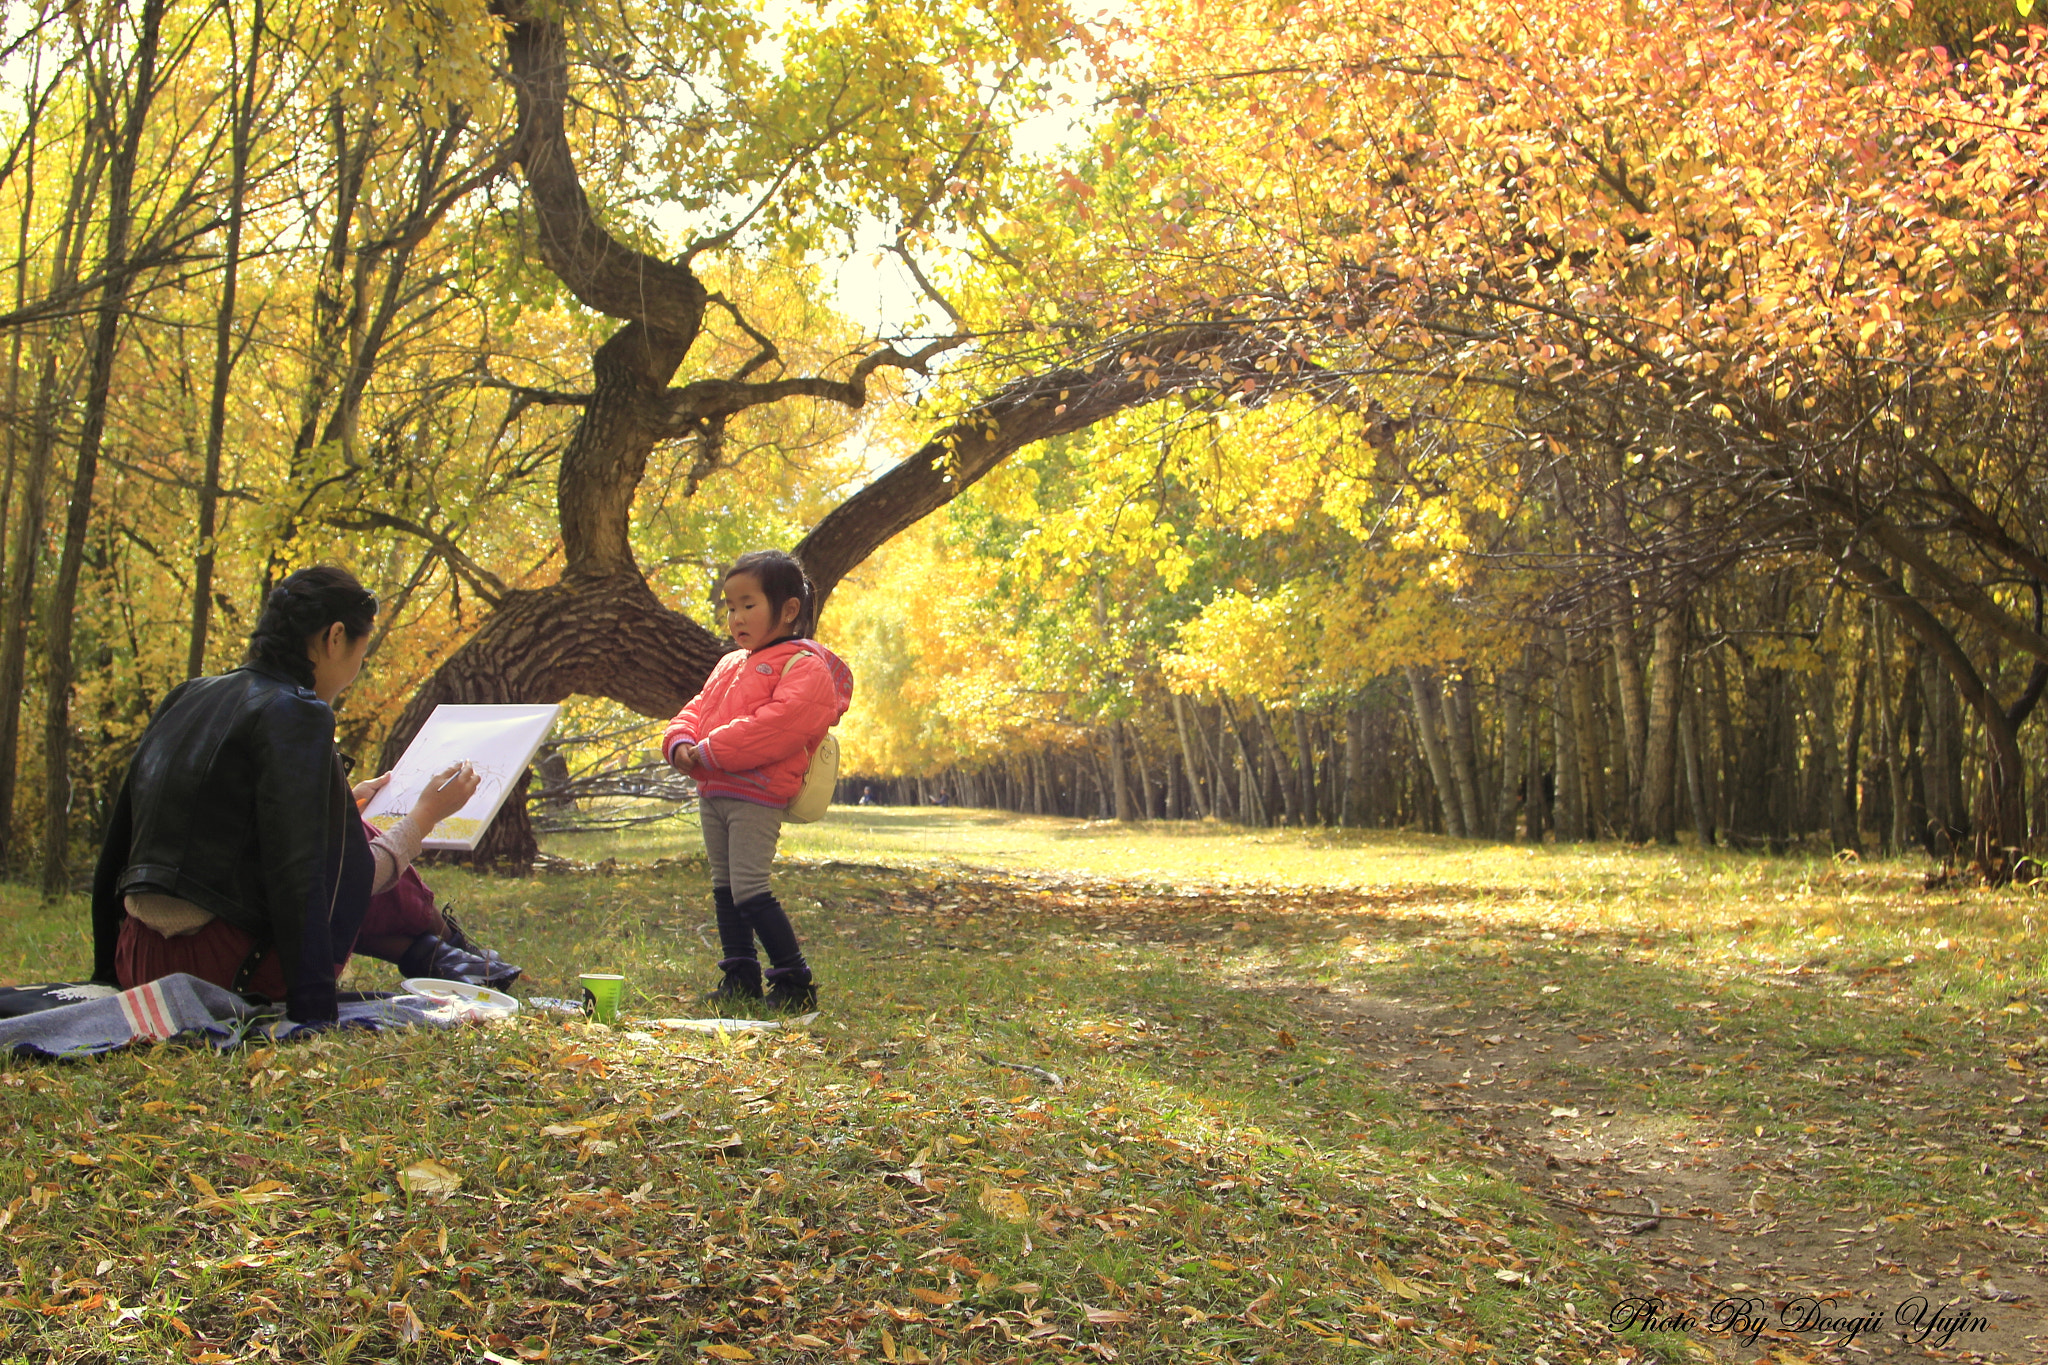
x: 394, y: 849
x: 298, y: 786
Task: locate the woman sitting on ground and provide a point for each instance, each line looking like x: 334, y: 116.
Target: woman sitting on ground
x: 235, y: 851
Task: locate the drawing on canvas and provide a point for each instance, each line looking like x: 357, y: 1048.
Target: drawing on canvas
x: 498, y: 741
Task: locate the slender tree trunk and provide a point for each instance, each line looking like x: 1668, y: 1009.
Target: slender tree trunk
x: 1846, y: 815
x: 21, y: 586
x: 1659, y: 803
x: 1535, y: 798
x: 78, y: 521
x: 1119, y: 784
x: 1352, y: 810
x: 1277, y: 783
x: 1592, y: 787
x: 1695, y: 786
x: 1458, y: 727
x: 1946, y: 830
x: 1251, y: 804
x: 1145, y: 788
x: 1514, y: 686
x: 1187, y: 755
x: 1633, y: 732
x: 242, y: 113
x: 1913, y: 822
x: 1570, y: 811
x: 1305, y: 768
x: 1422, y: 687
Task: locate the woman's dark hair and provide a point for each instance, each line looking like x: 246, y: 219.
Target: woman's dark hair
x: 305, y: 605
x: 781, y: 578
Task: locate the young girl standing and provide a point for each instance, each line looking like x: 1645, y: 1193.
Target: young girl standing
x: 747, y: 739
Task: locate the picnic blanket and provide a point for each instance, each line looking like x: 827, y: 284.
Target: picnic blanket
x: 97, y: 1019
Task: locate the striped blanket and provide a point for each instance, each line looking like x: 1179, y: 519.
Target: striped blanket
x: 189, y: 1009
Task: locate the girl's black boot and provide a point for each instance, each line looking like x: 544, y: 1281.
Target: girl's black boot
x: 790, y: 991
x: 740, y: 991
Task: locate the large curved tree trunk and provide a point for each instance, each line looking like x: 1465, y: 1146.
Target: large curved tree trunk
x: 600, y: 631
x: 601, y: 637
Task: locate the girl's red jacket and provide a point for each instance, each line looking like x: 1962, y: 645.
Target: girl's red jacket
x: 760, y: 718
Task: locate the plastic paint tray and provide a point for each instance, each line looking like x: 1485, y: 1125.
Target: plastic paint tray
x: 482, y: 1001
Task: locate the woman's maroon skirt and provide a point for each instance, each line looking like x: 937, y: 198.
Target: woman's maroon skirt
x: 217, y: 951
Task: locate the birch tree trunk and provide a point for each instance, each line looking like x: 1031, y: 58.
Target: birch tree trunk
x: 1187, y: 755
x: 1422, y: 687
x: 1305, y: 768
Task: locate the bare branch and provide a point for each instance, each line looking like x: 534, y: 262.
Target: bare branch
x: 482, y: 581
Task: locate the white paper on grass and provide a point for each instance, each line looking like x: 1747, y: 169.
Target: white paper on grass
x: 498, y: 741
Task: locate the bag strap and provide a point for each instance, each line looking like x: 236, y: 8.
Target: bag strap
x: 800, y: 654
x: 246, y: 973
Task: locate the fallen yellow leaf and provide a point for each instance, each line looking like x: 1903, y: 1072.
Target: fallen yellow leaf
x: 405, y: 1322
x: 1008, y: 1205
x: 429, y: 1177
x: 727, y: 1352
x: 1393, y: 1283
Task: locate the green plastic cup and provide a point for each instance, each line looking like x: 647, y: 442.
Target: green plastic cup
x: 602, y: 992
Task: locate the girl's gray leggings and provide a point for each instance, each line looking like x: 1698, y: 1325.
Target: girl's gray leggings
x: 739, y: 842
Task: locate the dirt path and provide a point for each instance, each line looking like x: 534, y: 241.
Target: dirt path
x: 1630, y: 1113
x: 1715, y: 1216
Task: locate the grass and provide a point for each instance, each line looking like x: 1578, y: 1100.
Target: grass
x: 1209, y: 1179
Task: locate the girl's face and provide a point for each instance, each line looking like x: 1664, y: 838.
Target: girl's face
x: 750, y: 618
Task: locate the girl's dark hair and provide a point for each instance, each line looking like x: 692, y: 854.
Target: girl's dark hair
x: 781, y: 578
x: 305, y: 605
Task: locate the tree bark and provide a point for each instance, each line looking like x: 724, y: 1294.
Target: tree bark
x: 1633, y: 733
x: 1459, y: 725
x: 1423, y: 688
x: 1305, y: 767
x: 1251, y: 802
x: 1569, y: 814
x: 1592, y: 788
x: 1695, y: 785
x: 26, y: 555
x: 1187, y: 755
x: 1513, y: 688
x: 2001, y: 812
x: 78, y: 518
x: 1845, y: 813
x: 1535, y: 798
x: 242, y: 116
x: 1659, y: 802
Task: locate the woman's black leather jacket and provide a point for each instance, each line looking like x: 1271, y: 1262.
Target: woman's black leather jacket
x: 236, y: 802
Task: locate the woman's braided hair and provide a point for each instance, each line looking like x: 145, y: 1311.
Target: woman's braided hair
x: 303, y: 606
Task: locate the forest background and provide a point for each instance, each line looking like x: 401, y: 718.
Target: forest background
x: 1572, y: 421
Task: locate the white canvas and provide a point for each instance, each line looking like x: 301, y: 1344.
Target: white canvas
x: 499, y: 741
